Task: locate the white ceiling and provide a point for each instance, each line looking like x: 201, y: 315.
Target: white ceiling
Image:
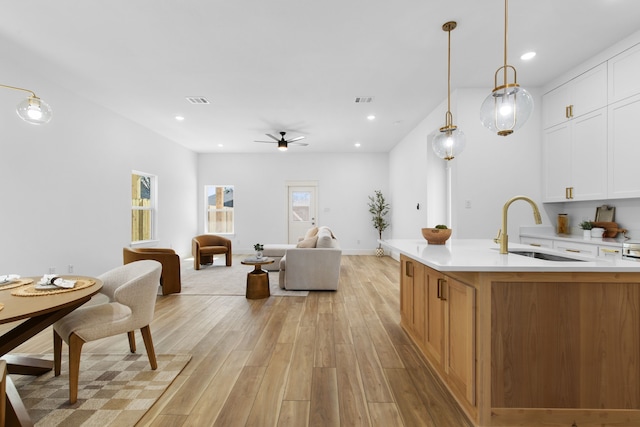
x: 297, y: 65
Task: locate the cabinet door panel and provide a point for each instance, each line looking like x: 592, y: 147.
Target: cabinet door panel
x: 554, y: 104
x: 589, y: 156
x: 406, y: 291
x: 556, y: 174
x: 461, y: 326
x: 589, y: 91
x: 434, y: 330
x: 624, y: 150
x: 624, y: 69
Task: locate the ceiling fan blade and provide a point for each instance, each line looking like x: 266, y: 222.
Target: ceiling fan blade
x: 266, y: 142
x: 298, y: 143
x: 272, y: 137
x: 296, y: 139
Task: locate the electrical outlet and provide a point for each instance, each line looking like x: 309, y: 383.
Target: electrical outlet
x: 70, y: 268
x: 467, y: 204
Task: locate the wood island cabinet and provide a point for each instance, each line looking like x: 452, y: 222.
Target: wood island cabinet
x: 529, y: 348
x: 445, y: 332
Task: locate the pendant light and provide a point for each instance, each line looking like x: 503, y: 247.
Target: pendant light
x: 508, y: 106
x: 33, y: 109
x: 449, y: 141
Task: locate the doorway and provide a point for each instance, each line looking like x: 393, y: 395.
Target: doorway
x: 302, y: 209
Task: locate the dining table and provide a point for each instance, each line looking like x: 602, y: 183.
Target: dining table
x: 32, y: 310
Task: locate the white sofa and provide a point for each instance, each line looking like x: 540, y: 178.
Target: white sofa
x: 314, y: 264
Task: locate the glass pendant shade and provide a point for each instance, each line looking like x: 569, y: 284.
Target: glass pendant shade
x: 508, y: 106
x: 34, y: 110
x: 282, y: 145
x: 448, y: 143
x: 506, y: 109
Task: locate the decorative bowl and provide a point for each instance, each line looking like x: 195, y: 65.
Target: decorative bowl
x: 436, y: 236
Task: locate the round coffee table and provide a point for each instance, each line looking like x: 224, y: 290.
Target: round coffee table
x: 258, y: 279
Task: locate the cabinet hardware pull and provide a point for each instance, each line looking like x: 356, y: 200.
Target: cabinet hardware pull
x: 566, y: 112
x: 571, y: 192
x: 610, y: 251
x: 440, y: 293
x: 566, y: 193
x: 408, y: 269
x: 537, y: 245
x: 577, y: 251
x: 571, y: 110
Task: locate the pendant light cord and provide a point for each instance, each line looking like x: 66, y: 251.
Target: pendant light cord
x: 506, y: 25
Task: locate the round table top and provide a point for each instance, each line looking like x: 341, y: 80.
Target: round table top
x: 256, y: 261
x: 21, y: 307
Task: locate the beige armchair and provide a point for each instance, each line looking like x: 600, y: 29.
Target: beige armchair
x: 205, y: 246
x: 132, y: 290
x: 170, y: 278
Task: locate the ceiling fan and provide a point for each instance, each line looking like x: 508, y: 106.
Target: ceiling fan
x: 282, y: 142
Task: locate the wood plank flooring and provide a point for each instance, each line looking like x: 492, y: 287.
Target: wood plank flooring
x: 328, y: 359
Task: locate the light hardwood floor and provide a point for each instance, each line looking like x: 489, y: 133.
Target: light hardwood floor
x: 328, y: 359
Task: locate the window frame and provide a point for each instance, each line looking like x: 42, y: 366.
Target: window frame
x: 206, y: 210
x: 152, y: 208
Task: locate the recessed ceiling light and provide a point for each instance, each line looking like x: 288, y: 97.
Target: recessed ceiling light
x: 179, y: 118
x: 357, y: 144
x: 371, y: 117
x: 527, y: 56
x: 220, y: 145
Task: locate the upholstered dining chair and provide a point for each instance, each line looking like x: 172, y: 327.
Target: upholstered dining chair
x: 170, y: 260
x: 205, y: 246
x: 131, y: 290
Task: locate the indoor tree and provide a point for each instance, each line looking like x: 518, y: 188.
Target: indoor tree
x: 379, y: 208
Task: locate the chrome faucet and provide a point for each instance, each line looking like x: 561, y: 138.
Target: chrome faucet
x: 502, y: 238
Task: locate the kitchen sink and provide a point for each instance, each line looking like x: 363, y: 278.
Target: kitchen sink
x: 544, y: 256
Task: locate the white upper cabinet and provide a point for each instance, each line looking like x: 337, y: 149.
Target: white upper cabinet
x: 581, y: 95
x: 624, y: 74
x: 575, y: 159
x: 624, y: 148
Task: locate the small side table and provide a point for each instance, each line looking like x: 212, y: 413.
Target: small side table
x: 258, y: 279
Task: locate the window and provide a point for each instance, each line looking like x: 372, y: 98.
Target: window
x: 218, y: 209
x: 143, y: 195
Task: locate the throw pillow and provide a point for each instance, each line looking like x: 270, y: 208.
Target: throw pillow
x: 311, y: 232
x: 308, y: 243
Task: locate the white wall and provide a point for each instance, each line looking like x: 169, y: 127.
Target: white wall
x: 493, y: 169
x: 65, y: 187
x: 260, y: 199
x: 490, y: 171
x: 418, y: 176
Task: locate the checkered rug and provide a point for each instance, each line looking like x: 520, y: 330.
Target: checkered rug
x: 114, y: 389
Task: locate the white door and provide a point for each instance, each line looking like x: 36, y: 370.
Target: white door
x: 302, y: 211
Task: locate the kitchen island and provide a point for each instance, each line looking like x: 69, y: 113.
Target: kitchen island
x: 521, y: 341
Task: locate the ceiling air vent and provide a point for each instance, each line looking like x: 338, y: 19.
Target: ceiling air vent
x: 198, y: 100
x: 364, y: 99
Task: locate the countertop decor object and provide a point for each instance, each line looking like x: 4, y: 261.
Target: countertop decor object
x: 437, y: 235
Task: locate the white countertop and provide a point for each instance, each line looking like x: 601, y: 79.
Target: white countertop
x: 546, y: 232
x: 484, y: 255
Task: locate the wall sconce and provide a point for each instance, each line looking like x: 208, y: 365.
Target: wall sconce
x: 33, y: 109
x: 508, y: 106
x: 449, y: 141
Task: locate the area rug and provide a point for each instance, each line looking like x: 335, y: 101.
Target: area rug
x: 218, y: 279
x: 115, y: 389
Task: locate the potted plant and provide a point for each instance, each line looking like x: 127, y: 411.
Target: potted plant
x: 586, y: 229
x: 437, y: 235
x: 379, y: 208
x: 259, y: 247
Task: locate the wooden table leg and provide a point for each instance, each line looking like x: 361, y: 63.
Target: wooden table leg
x: 258, y: 284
